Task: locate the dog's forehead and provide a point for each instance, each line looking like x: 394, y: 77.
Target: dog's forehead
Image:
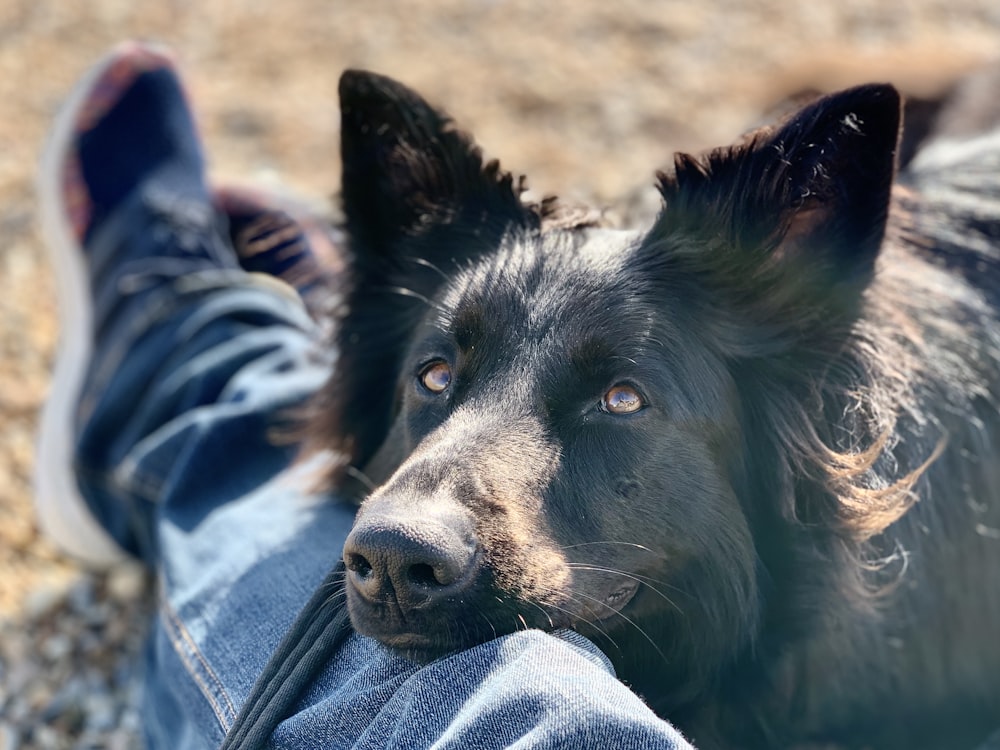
x: 563, y: 291
x: 604, y: 251
x: 546, y: 277
x: 556, y: 300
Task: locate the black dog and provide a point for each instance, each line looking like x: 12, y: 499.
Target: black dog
x: 751, y: 451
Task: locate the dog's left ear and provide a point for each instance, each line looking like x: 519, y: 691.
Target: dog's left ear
x: 791, y: 222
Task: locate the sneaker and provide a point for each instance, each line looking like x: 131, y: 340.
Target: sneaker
x: 130, y: 103
x: 284, y: 238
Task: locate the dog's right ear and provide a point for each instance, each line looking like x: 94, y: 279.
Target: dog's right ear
x: 407, y: 170
x: 419, y: 203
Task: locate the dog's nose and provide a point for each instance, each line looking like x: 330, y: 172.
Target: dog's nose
x: 416, y: 561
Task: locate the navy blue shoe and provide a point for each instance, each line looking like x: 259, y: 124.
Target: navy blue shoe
x: 126, y: 124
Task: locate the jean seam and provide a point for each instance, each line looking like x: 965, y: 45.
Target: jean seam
x: 189, y: 653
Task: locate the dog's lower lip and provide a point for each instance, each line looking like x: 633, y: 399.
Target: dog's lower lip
x: 408, y: 641
x: 417, y: 648
x: 417, y: 643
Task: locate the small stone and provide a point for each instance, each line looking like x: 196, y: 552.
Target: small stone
x: 131, y: 720
x: 81, y: 594
x: 57, y: 647
x: 101, y: 712
x: 17, y: 711
x: 42, y: 601
x: 38, y: 694
x: 15, y: 650
x: 98, y: 615
x: 121, y: 739
x: 9, y: 739
x: 127, y: 582
x: 46, y: 738
x: 64, y: 711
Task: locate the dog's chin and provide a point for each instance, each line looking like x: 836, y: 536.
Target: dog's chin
x: 418, y: 648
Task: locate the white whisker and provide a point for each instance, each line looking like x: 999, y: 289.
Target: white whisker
x: 638, y: 578
x: 624, y: 544
x: 630, y: 621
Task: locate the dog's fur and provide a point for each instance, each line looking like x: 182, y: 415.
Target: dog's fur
x: 796, y: 538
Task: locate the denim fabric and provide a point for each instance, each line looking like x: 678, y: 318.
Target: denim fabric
x: 198, y: 369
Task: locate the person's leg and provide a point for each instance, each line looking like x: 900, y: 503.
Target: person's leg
x: 193, y: 373
x: 177, y: 371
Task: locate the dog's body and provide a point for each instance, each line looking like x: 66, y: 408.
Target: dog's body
x: 753, y: 451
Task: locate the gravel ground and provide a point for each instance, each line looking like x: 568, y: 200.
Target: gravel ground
x: 587, y: 97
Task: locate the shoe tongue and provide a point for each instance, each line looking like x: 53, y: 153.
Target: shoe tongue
x: 146, y: 136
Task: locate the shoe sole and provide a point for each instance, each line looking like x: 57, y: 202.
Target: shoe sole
x: 63, y: 514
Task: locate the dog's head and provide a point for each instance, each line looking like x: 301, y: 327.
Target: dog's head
x: 571, y: 426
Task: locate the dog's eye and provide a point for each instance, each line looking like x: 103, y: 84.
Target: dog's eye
x: 436, y: 376
x: 622, y: 399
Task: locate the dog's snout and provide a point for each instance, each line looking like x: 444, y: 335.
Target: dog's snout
x: 416, y: 561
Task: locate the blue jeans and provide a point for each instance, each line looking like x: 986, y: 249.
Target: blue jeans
x: 198, y: 370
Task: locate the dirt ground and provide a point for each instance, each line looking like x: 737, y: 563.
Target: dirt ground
x: 587, y: 97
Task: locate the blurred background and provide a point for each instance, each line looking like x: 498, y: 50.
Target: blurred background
x: 586, y: 97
